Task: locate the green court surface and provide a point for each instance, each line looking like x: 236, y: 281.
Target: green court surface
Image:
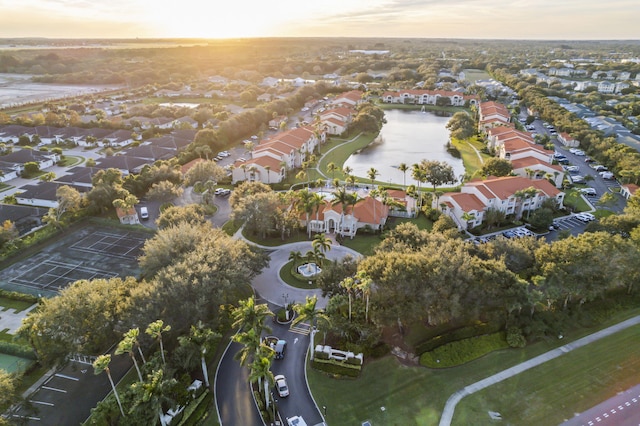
x: 12, y: 363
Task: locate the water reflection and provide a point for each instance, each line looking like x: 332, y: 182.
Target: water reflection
x: 408, y: 137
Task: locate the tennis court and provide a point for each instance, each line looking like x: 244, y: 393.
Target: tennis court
x: 91, y: 252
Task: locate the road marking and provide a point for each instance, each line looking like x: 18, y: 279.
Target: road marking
x: 54, y: 389
x: 75, y: 379
x: 41, y: 402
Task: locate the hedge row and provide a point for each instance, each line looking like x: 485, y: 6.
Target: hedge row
x: 460, y: 352
x: 336, y: 367
x: 17, y: 350
x: 197, y: 409
x: 478, y: 329
x: 14, y: 295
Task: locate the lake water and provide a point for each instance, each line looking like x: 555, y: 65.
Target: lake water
x: 408, y: 137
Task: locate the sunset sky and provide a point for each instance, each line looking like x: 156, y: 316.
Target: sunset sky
x: 513, y: 19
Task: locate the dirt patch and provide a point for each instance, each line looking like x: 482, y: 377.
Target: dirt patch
x: 399, y: 348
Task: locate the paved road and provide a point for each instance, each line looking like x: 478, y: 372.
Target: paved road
x: 450, y: 406
x: 621, y: 410
x: 271, y: 287
x: 234, y: 401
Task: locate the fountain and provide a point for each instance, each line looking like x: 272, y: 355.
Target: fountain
x: 309, y: 269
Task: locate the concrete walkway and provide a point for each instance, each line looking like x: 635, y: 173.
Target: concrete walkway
x: 477, y: 152
x: 450, y: 406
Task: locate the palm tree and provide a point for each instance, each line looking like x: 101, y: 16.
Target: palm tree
x: 316, y: 202
x: 155, y: 330
x: 351, y: 180
x: 332, y: 168
x: 303, y: 200
x: 349, y: 285
x: 302, y: 176
x: 250, y: 341
x: 102, y: 364
x: 308, y: 312
x: 418, y: 174
x: 126, y: 345
x: 342, y: 197
x: 403, y: 168
x: 205, y: 339
x: 364, y: 284
x: 155, y: 392
x: 347, y: 170
x: 372, y: 173
x: 261, y: 373
x: 133, y: 335
x: 322, y: 243
x: 248, y: 315
x: 295, y: 257
x: 268, y: 169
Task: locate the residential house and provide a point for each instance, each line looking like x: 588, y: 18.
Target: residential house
x: 42, y: 194
x: 78, y: 176
x: 492, y: 114
x: 368, y: 212
x: 128, y: 217
x: 606, y: 87
x: 468, y: 207
x: 350, y: 99
x: 124, y: 163
x: 185, y: 121
x: 8, y: 171
x: 427, y: 97
x: 24, y: 218
x: 497, y: 136
x: 150, y: 152
x: 628, y: 190
x: 567, y: 140
x: 21, y: 157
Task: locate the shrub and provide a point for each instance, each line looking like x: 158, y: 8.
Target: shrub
x: 515, y: 338
x: 18, y: 296
x: 353, y: 361
x: 460, y: 352
x: 379, y: 350
x: 458, y: 334
x: 336, y: 367
x: 17, y: 350
x: 321, y: 355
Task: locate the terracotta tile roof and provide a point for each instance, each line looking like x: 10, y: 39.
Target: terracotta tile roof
x: 186, y: 167
x: 265, y: 160
x: 505, y: 187
x: 512, y: 145
x: 364, y: 210
x: 467, y: 202
x: 533, y: 161
x: 631, y: 187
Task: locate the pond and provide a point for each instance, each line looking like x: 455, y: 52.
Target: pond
x: 408, y: 137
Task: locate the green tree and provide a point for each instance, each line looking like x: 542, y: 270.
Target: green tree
x: 462, y: 126
x: 403, y: 168
x: 102, y: 364
x: 205, y: 340
x: 155, y: 330
x: 308, y: 312
x: 204, y: 171
x: 192, y: 214
x: 164, y: 191
x: 127, y: 345
x: 497, y: 167
x: 437, y: 173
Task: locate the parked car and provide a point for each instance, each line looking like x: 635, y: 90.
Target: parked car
x: 607, y: 175
x: 600, y: 168
x: 590, y: 192
x: 585, y: 217
x: 589, y: 160
x: 280, y: 348
x: 577, y: 179
x: 554, y: 225
x: 572, y: 168
x: 281, y: 386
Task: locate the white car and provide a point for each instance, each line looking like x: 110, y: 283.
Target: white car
x: 296, y: 421
x: 580, y: 153
x: 590, y: 192
x: 585, y: 217
x: 577, y: 179
x: 572, y: 168
x: 607, y: 175
x: 281, y: 386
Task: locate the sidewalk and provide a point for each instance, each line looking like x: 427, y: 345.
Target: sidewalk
x: 450, y: 406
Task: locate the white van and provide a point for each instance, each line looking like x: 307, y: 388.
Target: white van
x: 144, y: 213
x: 296, y: 421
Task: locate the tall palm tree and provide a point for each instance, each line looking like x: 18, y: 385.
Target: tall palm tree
x: 249, y: 315
x: 364, y: 284
x: 304, y: 203
x: 347, y: 170
x: 155, y: 392
x: 349, y: 285
x: 295, y: 257
x: 418, y: 174
x: 250, y: 341
x: 133, y: 335
x: 102, y: 364
x: 205, y: 339
x: 308, y: 312
x: 342, y: 197
x: 372, y: 173
x: 332, y: 168
x: 316, y: 202
x: 403, y: 168
x: 268, y: 169
x: 155, y: 330
x: 261, y: 373
x: 322, y: 243
x: 126, y: 345
x: 351, y: 180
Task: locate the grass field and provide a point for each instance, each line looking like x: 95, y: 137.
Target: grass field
x: 472, y: 75
x: 416, y: 395
x: 554, y: 391
x: 470, y: 158
x: 18, y: 305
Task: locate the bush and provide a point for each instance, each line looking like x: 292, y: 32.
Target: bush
x: 515, y: 338
x: 379, y: 350
x: 17, y: 350
x: 353, y: 361
x: 14, y: 295
x: 458, y: 334
x: 460, y: 352
x: 336, y: 368
x: 321, y: 355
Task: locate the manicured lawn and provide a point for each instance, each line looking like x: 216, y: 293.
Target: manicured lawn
x: 230, y: 227
x: 275, y: 241
x: 416, y: 395
x: 554, y: 391
x: 70, y: 160
x: 472, y: 75
x: 421, y: 222
x: 363, y: 244
x: 572, y: 198
x: 340, y: 151
x: 18, y: 305
x: 287, y: 277
x: 469, y: 156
